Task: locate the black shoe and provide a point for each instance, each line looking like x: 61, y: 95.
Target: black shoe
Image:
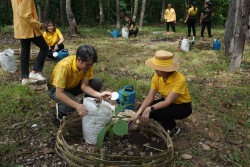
x: 59, y: 115
x: 175, y: 131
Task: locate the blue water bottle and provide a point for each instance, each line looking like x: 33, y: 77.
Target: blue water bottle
x: 131, y: 98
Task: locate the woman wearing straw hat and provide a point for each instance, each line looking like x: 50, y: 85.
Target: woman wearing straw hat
x: 176, y: 101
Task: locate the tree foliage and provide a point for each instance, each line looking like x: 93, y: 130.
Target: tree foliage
x: 91, y: 15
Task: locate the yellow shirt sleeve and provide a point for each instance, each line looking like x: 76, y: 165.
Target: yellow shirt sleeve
x: 189, y: 10
x: 59, y: 34
x: 60, y: 77
x: 25, y: 12
x: 180, y: 85
x: 174, y: 15
x: 89, y: 74
x: 154, y: 84
x: 45, y: 36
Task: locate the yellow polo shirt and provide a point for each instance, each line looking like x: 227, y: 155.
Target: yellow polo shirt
x: 66, y: 75
x: 175, y: 83
x: 170, y: 15
x: 52, y: 38
x: 26, y: 22
x: 192, y: 12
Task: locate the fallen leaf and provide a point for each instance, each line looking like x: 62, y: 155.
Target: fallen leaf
x: 178, y: 49
x: 102, y: 68
x: 25, y: 151
x: 47, y: 151
x: 231, y: 141
x: 211, y: 84
x: 27, y: 100
x: 241, y: 122
x: 217, y: 137
x: 188, y: 55
x: 186, y: 156
x: 52, y: 105
x: 210, y: 134
x: 217, y: 124
x: 219, y: 72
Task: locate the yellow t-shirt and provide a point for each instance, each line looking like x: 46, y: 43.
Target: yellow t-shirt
x: 192, y: 12
x: 170, y: 15
x: 66, y: 75
x: 52, y: 38
x: 175, y: 83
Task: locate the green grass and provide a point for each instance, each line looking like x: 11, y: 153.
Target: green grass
x: 214, y: 91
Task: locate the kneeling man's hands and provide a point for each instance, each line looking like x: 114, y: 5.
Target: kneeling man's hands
x: 145, y: 116
x: 105, y: 95
x: 81, y: 109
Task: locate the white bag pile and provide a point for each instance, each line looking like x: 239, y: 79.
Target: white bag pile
x: 185, y: 45
x: 124, y: 32
x: 99, y: 116
x: 8, y: 61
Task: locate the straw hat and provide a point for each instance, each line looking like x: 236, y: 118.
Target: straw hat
x: 162, y: 61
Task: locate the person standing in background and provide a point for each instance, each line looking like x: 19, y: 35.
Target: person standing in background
x: 191, y: 17
x: 27, y: 28
x: 205, y: 19
x: 170, y: 17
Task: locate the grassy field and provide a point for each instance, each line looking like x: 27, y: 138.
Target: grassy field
x: 220, y: 99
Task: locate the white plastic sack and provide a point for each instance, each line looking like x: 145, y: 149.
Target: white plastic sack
x: 124, y: 32
x: 8, y: 61
x: 185, y: 45
x: 99, y: 116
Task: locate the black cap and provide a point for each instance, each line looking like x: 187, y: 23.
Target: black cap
x: 193, y: 3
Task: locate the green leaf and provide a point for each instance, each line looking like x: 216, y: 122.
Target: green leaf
x: 186, y: 163
x: 248, y: 121
x: 126, y: 94
x: 100, y: 137
x: 124, y: 117
x: 121, y: 128
x: 111, y: 134
x: 109, y: 126
x: 123, y: 91
x: 118, y: 110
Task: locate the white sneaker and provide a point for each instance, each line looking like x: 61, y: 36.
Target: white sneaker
x: 29, y: 81
x: 37, y: 76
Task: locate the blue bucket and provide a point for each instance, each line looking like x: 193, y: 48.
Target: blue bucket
x: 116, y: 33
x: 128, y: 89
x: 216, y: 45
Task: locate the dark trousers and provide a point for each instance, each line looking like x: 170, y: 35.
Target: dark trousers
x: 172, y: 25
x: 168, y: 115
x: 191, y: 23
x: 204, y: 24
x: 25, y: 55
x: 131, y: 32
x: 50, y: 52
x: 94, y: 83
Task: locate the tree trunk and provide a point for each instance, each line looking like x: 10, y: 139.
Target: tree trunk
x: 71, y: 18
x: 236, y: 31
x: 118, y: 14
x: 84, y: 7
x: 142, y: 13
x: 39, y: 9
x: 131, y: 7
x: 101, y: 13
x: 163, y: 7
x: 135, y: 10
x: 62, y: 14
x: 46, y: 13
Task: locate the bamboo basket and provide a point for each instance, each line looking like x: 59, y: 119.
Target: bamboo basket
x: 78, y: 158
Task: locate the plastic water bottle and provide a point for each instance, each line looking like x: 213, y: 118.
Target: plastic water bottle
x: 108, y: 31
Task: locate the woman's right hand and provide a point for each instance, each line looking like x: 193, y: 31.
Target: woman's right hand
x: 132, y: 120
x: 185, y: 21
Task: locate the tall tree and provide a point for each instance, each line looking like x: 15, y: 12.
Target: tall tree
x: 135, y: 10
x: 236, y: 31
x: 46, y: 13
x: 84, y: 7
x: 163, y: 7
x: 142, y: 13
x: 101, y: 13
x: 118, y: 14
x: 71, y: 18
x: 39, y: 8
x: 62, y: 14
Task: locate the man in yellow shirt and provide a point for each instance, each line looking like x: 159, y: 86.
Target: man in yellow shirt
x: 170, y: 17
x: 73, y: 76
x: 27, y: 29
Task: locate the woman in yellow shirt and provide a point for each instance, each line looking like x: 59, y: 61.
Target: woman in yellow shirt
x: 191, y: 17
x: 176, y: 101
x: 54, y: 38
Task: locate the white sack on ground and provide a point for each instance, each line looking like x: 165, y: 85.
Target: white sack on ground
x: 185, y: 45
x: 8, y: 61
x: 124, y: 32
x: 99, y: 116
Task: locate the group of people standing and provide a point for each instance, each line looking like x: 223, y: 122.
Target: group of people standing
x: 205, y: 19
